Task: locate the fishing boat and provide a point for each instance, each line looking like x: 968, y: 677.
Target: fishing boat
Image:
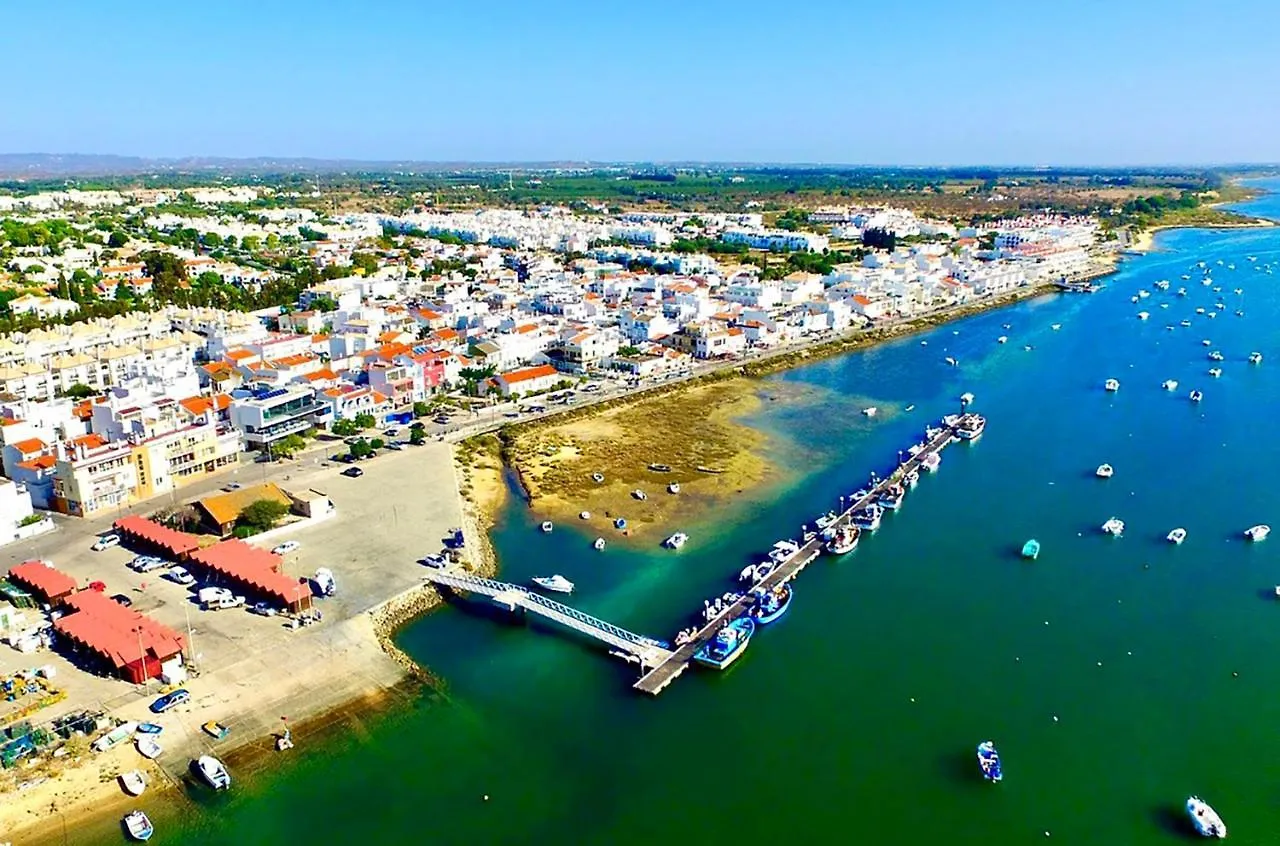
x: 675, y: 541
x: 673, y: 488
x: 138, y: 826
x: 148, y: 746
x: 844, y: 541
x: 1169, y: 384
x: 598, y: 543
x: 285, y: 741
x: 1195, y: 396
x: 1216, y: 356
x: 598, y: 478
x: 951, y: 361
x: 868, y: 518
x: 660, y: 468
x: 772, y: 605
x: 1055, y: 326
x: 116, y: 736
x: 149, y: 728
x: 892, y: 497
x: 1031, y: 549
x: 1178, y: 535
x: 1215, y: 372
x: 133, y: 782
x: 213, y: 772
x: 931, y: 462
x: 1205, y: 818
x: 1255, y: 358
x: 620, y: 523
x: 870, y: 411
x: 1112, y: 385
x: 989, y: 760
x: 556, y: 583
x: 1104, y: 471
x: 728, y: 644
x: 782, y: 550
x: 639, y: 494
x: 1003, y: 339
x: 584, y: 515
x: 972, y: 427
x: 1114, y: 526
x: 1258, y: 533
x: 215, y: 729
x: 547, y: 526
x: 1142, y: 315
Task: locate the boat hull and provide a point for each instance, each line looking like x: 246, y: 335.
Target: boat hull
x: 765, y: 619
x: 704, y: 656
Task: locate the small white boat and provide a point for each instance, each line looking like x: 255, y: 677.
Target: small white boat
x: 673, y: 488
x: 213, y: 772
x: 1195, y: 396
x: 1003, y: 339
x: 547, y: 526
x: 1206, y: 343
x: 138, y: 826
x: 1144, y: 294
x: 951, y: 361
x: 584, y: 515
x: 1182, y: 292
x: 1215, y: 372
x: 1184, y: 323
x: 1169, y: 384
x: 556, y: 583
x: 639, y: 494
x: 1258, y: 532
x: 870, y: 411
x: 148, y: 746
x: 1134, y: 298
x: 1200, y: 310
x: 1205, y: 818
x: 911, y: 407
x: 1142, y: 315
x: 1255, y: 358
x: 598, y: 543
x: 675, y: 541
x: 1216, y: 356
x: 285, y: 741
x: 1104, y: 471
x: 597, y: 477
x: 1114, y: 526
x: 1055, y: 326
x: 133, y: 782
x: 1178, y: 535
x: 1112, y: 385
x: 966, y: 398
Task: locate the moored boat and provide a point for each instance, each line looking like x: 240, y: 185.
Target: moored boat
x: 1114, y: 526
x: 951, y: 361
x: 598, y: 543
x: 971, y: 427
x: 1215, y: 372
x: 138, y: 826
x: 870, y: 411
x: 547, y: 526
x: 1216, y: 355
x: 930, y: 462
x: 1255, y: 358
x: 1031, y: 549
x: 782, y: 550
x: 892, y: 497
x: 213, y: 772
x: 1205, y: 818
x: 1111, y: 385
x: 1178, y: 535
x: 1195, y: 396
x: 1104, y: 471
x: 728, y: 644
x: 1257, y: 533
x: 1169, y: 384
x: 844, y: 541
x: 989, y: 760
x: 675, y: 541
x: 772, y: 604
x: 148, y: 746
x: 868, y: 518
x: 133, y: 782
x: 556, y: 583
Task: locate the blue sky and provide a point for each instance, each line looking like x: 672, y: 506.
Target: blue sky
x: 841, y: 81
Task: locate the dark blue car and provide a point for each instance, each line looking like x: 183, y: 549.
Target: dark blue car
x: 169, y: 700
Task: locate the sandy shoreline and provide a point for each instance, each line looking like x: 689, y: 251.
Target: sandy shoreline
x: 1146, y: 238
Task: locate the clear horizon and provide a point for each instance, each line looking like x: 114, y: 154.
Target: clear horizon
x: 825, y: 84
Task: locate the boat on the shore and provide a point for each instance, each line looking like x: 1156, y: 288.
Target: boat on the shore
x: 149, y: 728
x: 1258, y: 532
x: 598, y: 478
x: 660, y: 468
x: 1114, y: 526
x: 556, y: 583
x: 675, y: 541
x: 213, y: 772
x: 1205, y: 818
x: 215, y: 729
x: 133, y: 782
x: 844, y: 541
x: 1104, y: 471
x: 639, y: 494
x: 989, y: 761
x: 148, y: 746
x: 673, y: 488
x: 772, y: 604
x: 728, y: 644
x: 584, y: 515
x: 138, y: 826
x: 1031, y: 549
x: 1178, y: 535
x: 620, y: 523
x: 115, y: 737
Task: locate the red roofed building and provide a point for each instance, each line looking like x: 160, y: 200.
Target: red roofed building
x: 254, y: 572
x: 527, y: 380
x: 122, y: 641
x: 53, y: 586
x: 141, y: 532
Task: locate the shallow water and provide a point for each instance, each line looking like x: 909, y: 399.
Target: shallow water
x: 1106, y: 671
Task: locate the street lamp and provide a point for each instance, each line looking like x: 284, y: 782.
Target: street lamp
x: 146, y: 680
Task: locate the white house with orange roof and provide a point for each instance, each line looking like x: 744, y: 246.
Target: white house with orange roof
x: 345, y: 402
x: 526, y: 380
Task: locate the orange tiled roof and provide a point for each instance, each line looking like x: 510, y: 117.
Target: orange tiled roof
x: 30, y: 445
x: 90, y: 441
x: 43, y: 462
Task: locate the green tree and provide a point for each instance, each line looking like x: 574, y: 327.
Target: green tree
x: 323, y: 303
x: 344, y: 428
x: 377, y: 443
x: 251, y: 243
x: 79, y: 391
x: 288, y: 446
x: 367, y: 262
x: 229, y: 242
x: 360, y: 449
x: 365, y: 420
x: 124, y: 293
x: 417, y: 436
x: 262, y: 514
x: 421, y: 409
x: 211, y: 239
x: 63, y: 289
x: 117, y: 240
x: 472, y: 376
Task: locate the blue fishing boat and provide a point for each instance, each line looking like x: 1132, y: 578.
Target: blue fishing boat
x: 1031, y: 549
x: 149, y: 728
x: 728, y: 643
x: 771, y: 605
x: 620, y: 523
x: 138, y: 826
x: 989, y: 760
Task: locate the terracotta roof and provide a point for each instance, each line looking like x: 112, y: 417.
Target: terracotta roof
x: 43, y: 462
x: 320, y: 375
x: 225, y: 508
x: 254, y: 568
x: 120, y: 635
x: 239, y: 354
x: 43, y: 579
x: 516, y: 376
x: 90, y: 441
x: 30, y: 445
x: 171, y: 541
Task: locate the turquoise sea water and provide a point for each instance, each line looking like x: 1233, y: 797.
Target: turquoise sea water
x: 1117, y: 676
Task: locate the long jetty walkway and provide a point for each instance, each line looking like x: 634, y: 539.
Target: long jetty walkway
x: 661, y: 665
x: 656, y: 680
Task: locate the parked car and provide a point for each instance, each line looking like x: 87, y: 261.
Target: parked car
x: 264, y: 608
x: 391, y: 433
x: 180, y: 575
x: 395, y: 446
x: 146, y: 563
x: 287, y: 547
x: 170, y: 700
x: 222, y: 602
x: 123, y: 600
x: 353, y: 472
x: 234, y: 486
x: 106, y: 542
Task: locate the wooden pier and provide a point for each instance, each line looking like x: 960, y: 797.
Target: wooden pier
x: 668, y: 670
